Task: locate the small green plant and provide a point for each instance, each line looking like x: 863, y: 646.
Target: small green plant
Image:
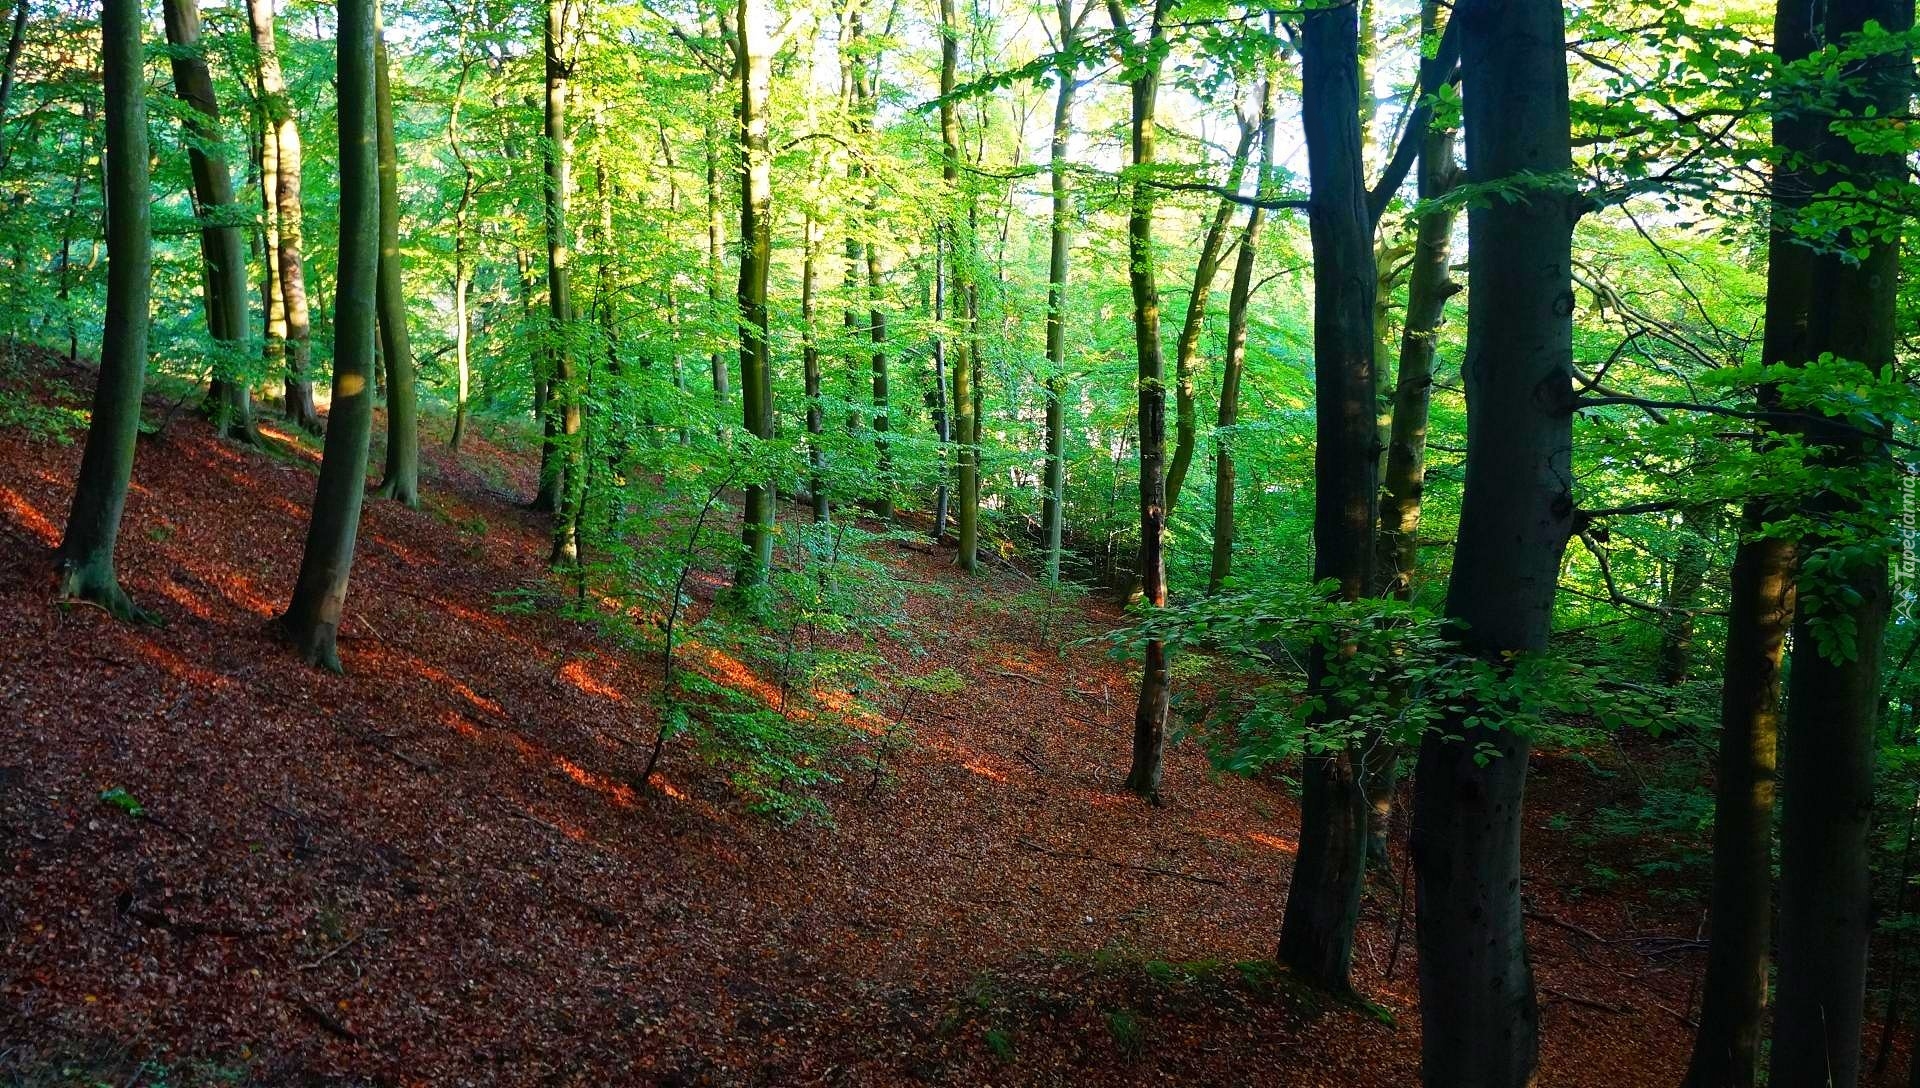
x: 1127, y: 1031
x: 1000, y: 1041
x: 122, y: 800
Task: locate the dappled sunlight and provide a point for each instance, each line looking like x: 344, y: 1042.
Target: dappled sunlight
x: 28, y: 517
x: 575, y: 673
x: 179, y: 667
x: 289, y: 443
x: 1274, y: 842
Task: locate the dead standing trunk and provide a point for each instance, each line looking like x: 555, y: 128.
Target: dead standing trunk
x: 1479, y: 1017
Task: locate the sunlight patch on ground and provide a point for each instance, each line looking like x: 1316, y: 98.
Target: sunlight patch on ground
x: 29, y: 518
x: 1274, y: 842
x: 575, y: 673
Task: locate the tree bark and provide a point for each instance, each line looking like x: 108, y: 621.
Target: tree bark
x: 1150, y: 713
x: 1060, y: 243
x: 1323, y: 902
x: 287, y: 218
x: 1479, y: 1017
x: 85, y: 557
x: 230, y: 401
x: 565, y: 391
x: 312, y: 619
x: 1833, y: 691
x: 810, y: 371
x: 401, y: 478
x: 462, y: 327
x: 755, y: 72
x: 960, y: 267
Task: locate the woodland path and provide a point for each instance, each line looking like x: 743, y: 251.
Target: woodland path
x: 437, y: 870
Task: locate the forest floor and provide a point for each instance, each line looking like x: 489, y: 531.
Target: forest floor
x: 439, y: 869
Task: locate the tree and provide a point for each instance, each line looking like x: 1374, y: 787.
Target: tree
x: 1479, y: 1020
x: 1840, y: 614
x: 401, y: 479
x: 230, y: 402
x: 1323, y: 902
x: 959, y: 349
x: 312, y: 618
x: 85, y: 557
x: 1059, y: 248
x: 566, y: 438
x: 1143, y: 60
x: 754, y: 70
x: 280, y: 137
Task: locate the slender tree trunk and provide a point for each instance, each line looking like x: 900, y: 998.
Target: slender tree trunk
x: 1150, y: 714
x: 312, y: 619
x: 942, y: 422
x: 1760, y: 605
x: 461, y: 279
x: 402, y: 476
x: 287, y: 217
x: 401, y: 479
x: 755, y: 70
x: 882, y: 397
x: 565, y: 391
x: 716, y: 261
x: 1833, y: 689
x: 810, y: 367
x: 1053, y: 510
x: 1397, y: 555
x: 16, y: 40
x: 273, y: 300
x: 960, y: 267
x: 1683, y: 591
x: 1323, y: 903
x: 1186, y: 352
x: 1479, y: 1017
x: 1234, y: 365
x: 222, y: 250
x: 85, y: 557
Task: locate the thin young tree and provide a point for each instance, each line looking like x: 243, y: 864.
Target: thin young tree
x: 1479, y: 1017
x: 754, y: 68
x: 401, y: 479
x: 279, y: 127
x: 959, y: 349
x: 1833, y: 690
x: 312, y: 619
x: 230, y: 400
x: 1323, y: 901
x: 566, y: 440
x: 1143, y: 58
x: 85, y: 557
x: 1059, y: 248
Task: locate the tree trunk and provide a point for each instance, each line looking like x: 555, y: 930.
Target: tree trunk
x: 1054, y: 504
x: 1186, y: 353
x: 1234, y: 365
x: 85, y: 557
x: 401, y: 479
x: 312, y: 619
x: 1683, y: 591
x: 565, y: 390
x: 1480, y: 1021
x: 1833, y: 689
x: 810, y: 367
x: 1150, y: 714
x: 16, y: 40
x: 287, y: 217
x: 1429, y: 286
x: 755, y: 71
x: 960, y: 267
x: 1733, y: 1003
x: 461, y: 325
x: 273, y: 300
x: 230, y: 402
x: 942, y: 424
x: 1323, y: 903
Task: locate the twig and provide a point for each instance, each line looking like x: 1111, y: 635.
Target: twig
x: 1155, y: 869
x: 335, y: 952
x: 1586, y: 1002
x: 326, y: 1021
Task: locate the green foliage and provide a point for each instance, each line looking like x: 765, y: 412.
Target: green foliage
x: 119, y: 798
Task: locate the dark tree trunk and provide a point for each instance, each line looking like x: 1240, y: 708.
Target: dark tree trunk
x: 85, y: 557
x: 755, y: 70
x: 312, y: 619
x: 1479, y: 1017
x: 1683, y: 591
x: 401, y: 479
x: 230, y: 401
x: 1733, y: 1003
x: 565, y: 392
x: 960, y: 267
x: 1150, y: 714
x: 1323, y: 902
x: 1833, y: 690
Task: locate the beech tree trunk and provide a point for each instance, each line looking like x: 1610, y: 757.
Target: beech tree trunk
x: 1833, y: 690
x: 755, y: 71
x: 960, y: 358
x: 1479, y: 1017
x: 1323, y: 902
x: 287, y: 218
x: 1060, y: 244
x: 565, y: 391
x: 312, y: 619
x: 1150, y: 714
x: 1760, y: 605
x: 1429, y: 286
x: 85, y: 557
x: 401, y: 478
x: 462, y: 327
x: 230, y: 400
x: 810, y: 369
x: 1234, y: 365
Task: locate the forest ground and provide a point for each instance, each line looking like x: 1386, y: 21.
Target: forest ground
x: 439, y: 869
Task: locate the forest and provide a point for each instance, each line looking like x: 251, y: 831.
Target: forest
x: 640, y: 542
